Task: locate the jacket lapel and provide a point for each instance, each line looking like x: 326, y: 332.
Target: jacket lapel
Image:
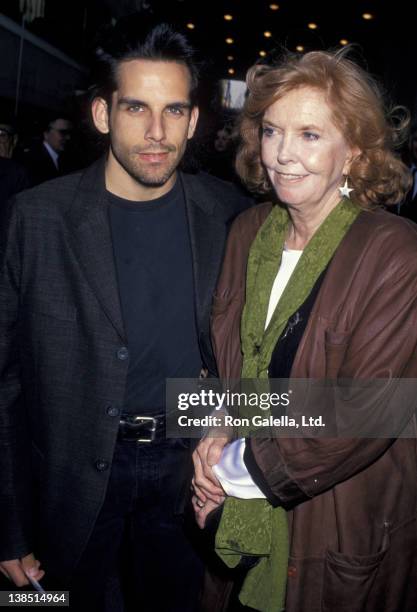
x: 92, y: 241
x: 207, y: 235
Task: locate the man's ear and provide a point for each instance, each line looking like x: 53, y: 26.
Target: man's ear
x: 193, y: 122
x: 100, y: 114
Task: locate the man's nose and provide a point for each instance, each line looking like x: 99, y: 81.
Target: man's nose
x: 155, y: 129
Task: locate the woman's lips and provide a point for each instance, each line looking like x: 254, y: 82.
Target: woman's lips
x: 287, y: 177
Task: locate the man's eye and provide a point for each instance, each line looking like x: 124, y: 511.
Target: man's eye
x: 310, y: 136
x: 267, y: 131
x: 135, y: 108
x: 175, y: 110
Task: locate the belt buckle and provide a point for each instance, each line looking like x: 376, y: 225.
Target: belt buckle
x: 144, y: 419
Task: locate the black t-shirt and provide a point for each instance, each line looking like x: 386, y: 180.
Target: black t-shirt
x: 283, y: 355
x: 154, y: 268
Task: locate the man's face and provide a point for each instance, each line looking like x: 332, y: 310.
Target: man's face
x: 58, y: 134
x: 149, y: 124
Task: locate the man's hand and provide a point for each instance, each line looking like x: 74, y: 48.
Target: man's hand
x: 205, y: 483
x: 15, y: 569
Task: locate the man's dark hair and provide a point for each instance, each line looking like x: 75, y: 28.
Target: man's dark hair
x: 50, y: 119
x: 134, y: 37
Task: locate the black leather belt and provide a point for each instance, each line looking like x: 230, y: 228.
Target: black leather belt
x: 138, y: 428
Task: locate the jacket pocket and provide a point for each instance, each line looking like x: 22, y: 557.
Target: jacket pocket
x: 348, y: 579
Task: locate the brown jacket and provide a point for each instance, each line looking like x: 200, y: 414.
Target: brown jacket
x: 353, y: 543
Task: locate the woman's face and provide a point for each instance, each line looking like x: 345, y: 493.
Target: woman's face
x: 304, y: 153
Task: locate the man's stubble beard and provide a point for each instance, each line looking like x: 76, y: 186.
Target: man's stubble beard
x: 152, y: 177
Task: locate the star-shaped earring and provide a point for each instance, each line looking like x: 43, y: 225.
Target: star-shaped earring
x: 345, y: 190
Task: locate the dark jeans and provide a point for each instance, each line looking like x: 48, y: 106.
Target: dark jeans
x: 139, y: 544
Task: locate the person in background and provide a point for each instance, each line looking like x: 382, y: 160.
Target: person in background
x: 320, y: 284
x: 8, y: 139
x: 223, y: 139
x: 106, y: 282
x: 13, y: 176
x: 46, y: 160
x: 223, y: 152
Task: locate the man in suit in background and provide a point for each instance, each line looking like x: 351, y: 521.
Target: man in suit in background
x: 106, y: 286
x: 46, y: 160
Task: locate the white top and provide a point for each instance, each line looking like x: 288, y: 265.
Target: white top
x: 231, y: 469
x: 289, y: 260
x: 53, y: 154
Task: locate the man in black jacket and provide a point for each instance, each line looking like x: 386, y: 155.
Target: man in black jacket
x: 106, y: 285
x: 46, y: 160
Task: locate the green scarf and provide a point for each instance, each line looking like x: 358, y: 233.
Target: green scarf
x: 253, y: 526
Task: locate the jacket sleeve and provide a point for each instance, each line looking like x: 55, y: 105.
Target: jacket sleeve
x: 15, y: 502
x: 227, y: 308
x: 380, y: 344
x: 229, y: 297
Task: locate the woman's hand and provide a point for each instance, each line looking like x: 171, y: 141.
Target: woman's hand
x: 205, y: 484
x: 202, y: 510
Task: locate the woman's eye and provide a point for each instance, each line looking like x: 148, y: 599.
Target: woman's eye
x: 267, y: 131
x: 310, y: 136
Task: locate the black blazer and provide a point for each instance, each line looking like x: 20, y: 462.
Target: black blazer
x: 13, y: 178
x: 61, y: 330
x: 40, y: 165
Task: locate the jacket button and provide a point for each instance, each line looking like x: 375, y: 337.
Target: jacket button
x: 112, y: 411
x: 101, y: 465
x: 122, y: 353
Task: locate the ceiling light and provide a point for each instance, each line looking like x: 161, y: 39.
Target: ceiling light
x: 228, y: 17
x: 343, y: 41
x: 230, y: 41
x: 299, y: 48
x: 190, y: 26
x: 312, y: 26
x: 274, y: 7
x: 367, y: 16
x: 267, y: 34
x: 231, y: 71
x: 230, y: 58
x: 262, y: 53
